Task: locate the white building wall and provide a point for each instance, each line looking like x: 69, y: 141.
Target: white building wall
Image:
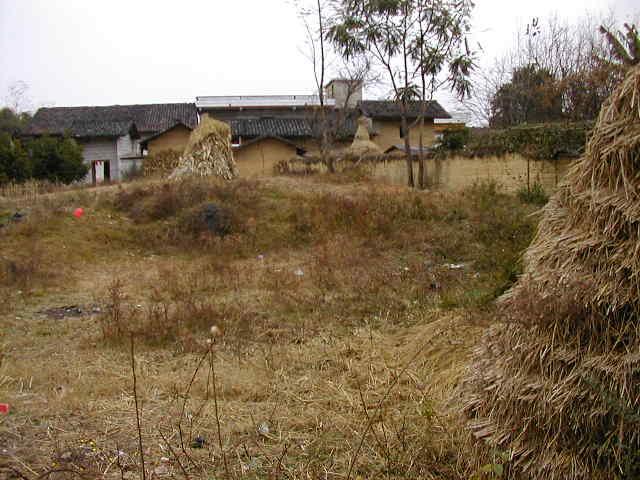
x: 103, y: 150
x: 127, y: 147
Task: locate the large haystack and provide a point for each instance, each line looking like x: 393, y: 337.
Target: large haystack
x: 557, y: 382
x: 362, y: 144
x: 161, y: 164
x: 208, y: 151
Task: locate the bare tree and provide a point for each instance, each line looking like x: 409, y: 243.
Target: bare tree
x: 573, y: 52
x: 17, y: 98
x: 314, y: 15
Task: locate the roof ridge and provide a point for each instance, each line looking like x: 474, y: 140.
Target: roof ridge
x: 118, y: 105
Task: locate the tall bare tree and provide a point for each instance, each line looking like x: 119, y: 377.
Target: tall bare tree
x: 314, y: 15
x: 583, y: 68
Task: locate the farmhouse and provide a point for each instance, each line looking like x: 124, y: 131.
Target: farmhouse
x: 112, y: 136
x: 269, y: 128
x: 265, y: 129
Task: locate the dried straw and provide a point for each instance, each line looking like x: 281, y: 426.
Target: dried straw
x: 557, y: 381
x: 362, y: 144
x: 208, y: 152
x: 161, y: 164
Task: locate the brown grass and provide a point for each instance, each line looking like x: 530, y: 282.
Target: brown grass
x: 323, y: 293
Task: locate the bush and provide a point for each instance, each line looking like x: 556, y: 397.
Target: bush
x: 56, y: 159
x: 534, y: 195
x: 14, y: 163
x: 11, y: 122
x: 539, y: 142
x: 189, y: 212
x: 455, y: 138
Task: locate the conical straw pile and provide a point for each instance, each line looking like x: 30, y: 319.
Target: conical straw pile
x: 556, y: 382
x: 208, y: 152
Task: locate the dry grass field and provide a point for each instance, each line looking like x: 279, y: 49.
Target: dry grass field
x: 343, y: 313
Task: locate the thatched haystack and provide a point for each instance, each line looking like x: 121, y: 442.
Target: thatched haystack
x: 557, y: 382
x: 161, y: 164
x: 208, y: 152
x: 362, y: 144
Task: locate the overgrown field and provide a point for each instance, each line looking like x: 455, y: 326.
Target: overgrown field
x: 343, y: 318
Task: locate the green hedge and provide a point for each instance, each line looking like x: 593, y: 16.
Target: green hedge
x: 544, y: 141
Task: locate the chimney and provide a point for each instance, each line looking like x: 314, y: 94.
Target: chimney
x: 346, y: 92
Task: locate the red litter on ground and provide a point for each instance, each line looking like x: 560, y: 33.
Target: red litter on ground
x: 78, y: 212
x: 4, y: 408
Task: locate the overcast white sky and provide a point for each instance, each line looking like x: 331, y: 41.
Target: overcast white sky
x: 97, y: 52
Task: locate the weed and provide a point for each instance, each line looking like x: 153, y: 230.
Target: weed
x: 535, y: 195
x: 320, y: 297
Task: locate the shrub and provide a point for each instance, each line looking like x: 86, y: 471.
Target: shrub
x: 11, y: 122
x: 14, y: 163
x: 56, y: 159
x: 539, y: 142
x: 207, y: 218
x: 534, y: 195
x: 190, y: 212
x: 455, y: 138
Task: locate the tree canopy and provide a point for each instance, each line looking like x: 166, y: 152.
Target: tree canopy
x: 531, y: 96
x: 11, y: 122
x: 47, y: 158
x: 419, y: 44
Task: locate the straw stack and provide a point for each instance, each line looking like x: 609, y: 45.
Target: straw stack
x: 161, y: 164
x: 208, y: 152
x: 362, y: 144
x: 556, y: 383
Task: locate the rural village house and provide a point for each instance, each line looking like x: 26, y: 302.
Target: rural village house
x: 265, y: 129
x: 111, y: 136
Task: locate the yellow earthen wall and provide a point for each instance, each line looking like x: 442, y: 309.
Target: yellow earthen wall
x: 388, y: 134
x: 174, y: 139
x: 260, y: 158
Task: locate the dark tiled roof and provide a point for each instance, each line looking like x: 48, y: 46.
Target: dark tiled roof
x: 387, y: 109
x: 293, y: 127
x: 107, y: 121
x: 273, y: 127
x: 99, y: 128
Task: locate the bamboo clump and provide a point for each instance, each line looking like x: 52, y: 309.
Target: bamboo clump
x: 556, y: 382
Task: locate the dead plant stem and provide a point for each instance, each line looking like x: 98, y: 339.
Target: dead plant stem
x: 135, y: 398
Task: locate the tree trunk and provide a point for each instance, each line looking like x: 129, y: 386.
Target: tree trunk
x: 325, y: 154
x: 407, y: 151
x: 422, y: 171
